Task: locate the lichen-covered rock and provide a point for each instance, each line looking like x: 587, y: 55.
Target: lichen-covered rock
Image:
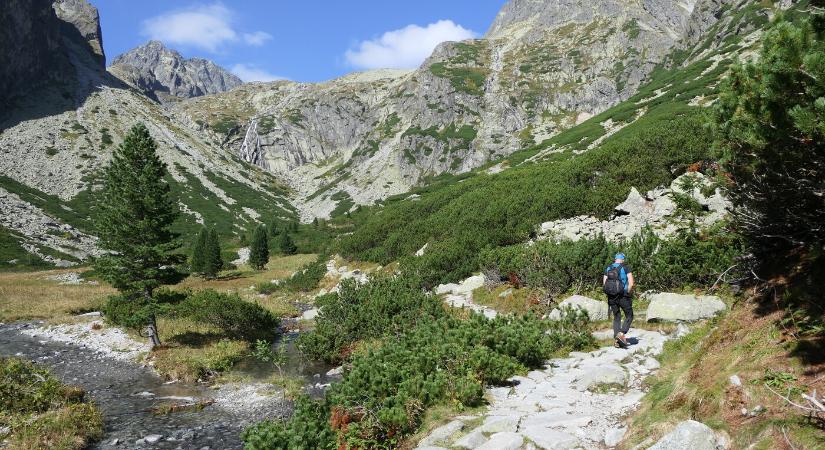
x: 596, y: 310
x: 682, y: 308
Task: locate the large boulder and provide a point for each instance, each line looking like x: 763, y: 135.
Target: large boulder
x: 596, y: 310
x: 689, y: 434
x: 672, y: 307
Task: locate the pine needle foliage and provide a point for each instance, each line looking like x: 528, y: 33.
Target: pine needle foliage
x: 770, y: 126
x: 133, y: 218
x: 213, y: 262
x: 286, y: 245
x: 259, y: 248
x: 198, y: 251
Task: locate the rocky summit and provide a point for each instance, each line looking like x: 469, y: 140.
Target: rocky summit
x: 166, y: 76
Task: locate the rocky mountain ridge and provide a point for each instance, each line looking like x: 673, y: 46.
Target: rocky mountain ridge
x: 263, y: 150
x: 166, y: 76
x: 543, y: 67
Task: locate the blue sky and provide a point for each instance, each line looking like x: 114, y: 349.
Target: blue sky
x: 302, y: 40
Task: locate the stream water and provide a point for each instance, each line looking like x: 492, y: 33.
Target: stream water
x: 126, y: 393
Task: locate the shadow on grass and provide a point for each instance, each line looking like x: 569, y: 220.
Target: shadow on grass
x: 196, y: 339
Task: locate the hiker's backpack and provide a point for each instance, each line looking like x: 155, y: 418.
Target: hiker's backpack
x: 614, y: 284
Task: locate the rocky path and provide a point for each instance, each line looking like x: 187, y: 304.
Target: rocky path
x: 126, y: 394
x: 575, y: 402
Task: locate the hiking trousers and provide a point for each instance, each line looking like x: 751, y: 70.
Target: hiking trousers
x: 618, y: 304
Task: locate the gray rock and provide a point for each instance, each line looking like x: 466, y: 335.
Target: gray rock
x: 614, y: 436
x: 442, y: 433
x: 606, y: 374
x: 472, y: 439
x: 496, y: 424
x: 503, y: 441
x: 163, y: 74
x: 596, y: 310
x: 310, y: 314
x: 152, y: 438
x: 547, y: 438
x: 734, y: 380
x: 689, y: 434
x: 683, y: 308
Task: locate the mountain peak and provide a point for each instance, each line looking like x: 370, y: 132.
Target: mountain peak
x: 165, y: 75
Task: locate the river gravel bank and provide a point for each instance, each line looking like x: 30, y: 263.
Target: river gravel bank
x: 127, y: 393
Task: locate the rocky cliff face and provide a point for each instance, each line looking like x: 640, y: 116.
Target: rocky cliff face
x: 67, y: 116
x: 544, y: 66
x: 44, y: 43
x: 165, y: 75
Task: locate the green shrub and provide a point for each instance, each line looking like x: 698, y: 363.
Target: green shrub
x: 307, y: 277
x: 235, y: 316
x: 384, y: 396
x: 386, y: 305
x: 134, y: 312
x: 308, y: 428
x: 460, y: 220
x: 690, y: 257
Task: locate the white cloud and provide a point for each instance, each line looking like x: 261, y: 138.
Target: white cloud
x: 257, y: 38
x: 249, y: 72
x: 407, y: 47
x: 208, y: 27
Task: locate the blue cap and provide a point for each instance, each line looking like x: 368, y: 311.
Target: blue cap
x: 619, y: 256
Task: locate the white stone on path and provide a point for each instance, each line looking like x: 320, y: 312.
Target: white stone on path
x: 689, y: 434
x: 443, y: 432
x: 683, y: 308
x: 503, y: 441
x: 614, y: 436
x: 553, y: 407
x: 471, y: 440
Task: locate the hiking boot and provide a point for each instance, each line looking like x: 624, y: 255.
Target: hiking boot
x: 622, y: 339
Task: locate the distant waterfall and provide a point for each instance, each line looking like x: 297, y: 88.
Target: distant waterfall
x: 251, y: 151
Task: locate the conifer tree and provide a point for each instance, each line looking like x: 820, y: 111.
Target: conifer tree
x: 770, y: 125
x: 213, y: 262
x: 133, y: 217
x: 286, y: 245
x: 259, y: 248
x: 198, y: 251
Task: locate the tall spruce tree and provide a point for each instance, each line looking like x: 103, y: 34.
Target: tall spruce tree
x: 286, y: 245
x: 213, y: 262
x: 259, y: 248
x: 198, y: 261
x: 770, y: 126
x: 133, y: 217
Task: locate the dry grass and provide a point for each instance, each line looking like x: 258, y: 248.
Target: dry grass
x: 693, y: 384
x: 29, y: 295
x: 278, y: 268
x: 194, y: 351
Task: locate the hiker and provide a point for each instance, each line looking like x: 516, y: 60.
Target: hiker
x: 618, y: 284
